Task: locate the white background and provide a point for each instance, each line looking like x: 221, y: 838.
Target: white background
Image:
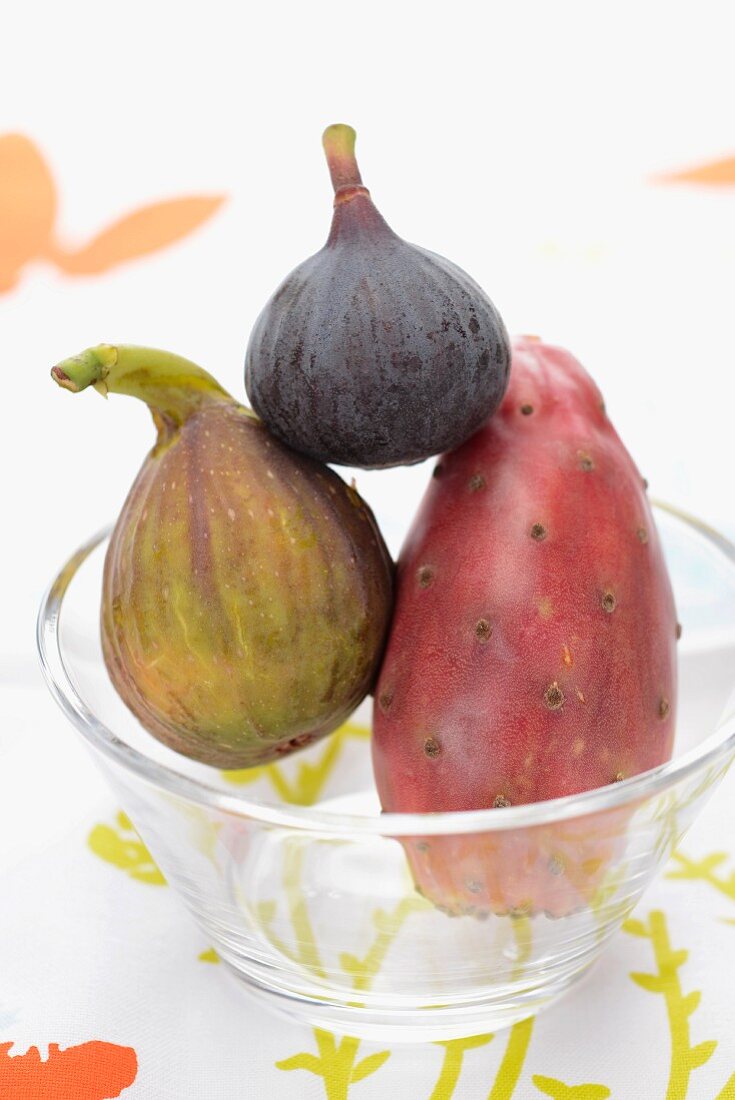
x: 519, y: 139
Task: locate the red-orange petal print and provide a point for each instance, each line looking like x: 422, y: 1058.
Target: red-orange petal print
x: 145, y: 230
x: 91, y: 1071
x: 714, y: 173
x: 27, y: 205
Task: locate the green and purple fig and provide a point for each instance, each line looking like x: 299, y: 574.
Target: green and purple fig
x: 247, y: 589
x: 374, y: 352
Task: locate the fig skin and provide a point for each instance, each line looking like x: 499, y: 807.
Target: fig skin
x: 247, y: 590
x: 374, y: 352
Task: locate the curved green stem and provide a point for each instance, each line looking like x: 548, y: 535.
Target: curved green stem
x: 172, y: 386
x: 339, y: 146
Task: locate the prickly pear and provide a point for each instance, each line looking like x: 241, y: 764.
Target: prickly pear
x: 247, y: 589
x: 532, y: 651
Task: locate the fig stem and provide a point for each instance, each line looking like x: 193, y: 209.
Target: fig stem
x: 169, y: 384
x: 339, y: 145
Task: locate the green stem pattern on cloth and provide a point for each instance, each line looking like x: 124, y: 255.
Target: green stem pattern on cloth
x: 685, y: 1058
x: 454, y: 1053
x: 387, y: 925
x: 336, y: 1063
x: 522, y: 929
x: 310, y: 779
x: 728, y: 1092
x: 703, y: 870
x: 514, y: 1060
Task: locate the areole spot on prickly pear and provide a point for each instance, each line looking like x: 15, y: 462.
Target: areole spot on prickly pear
x: 247, y: 589
x: 541, y: 655
x: 374, y: 352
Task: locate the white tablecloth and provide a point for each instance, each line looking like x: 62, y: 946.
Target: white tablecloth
x: 527, y: 142
x: 99, y: 960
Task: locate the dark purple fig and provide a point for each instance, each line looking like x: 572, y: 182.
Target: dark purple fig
x: 374, y: 352
x: 247, y: 589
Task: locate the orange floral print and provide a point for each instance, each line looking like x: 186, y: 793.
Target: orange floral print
x: 91, y: 1071
x: 28, y: 209
x: 714, y: 173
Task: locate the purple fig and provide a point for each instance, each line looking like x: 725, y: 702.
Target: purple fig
x: 374, y: 352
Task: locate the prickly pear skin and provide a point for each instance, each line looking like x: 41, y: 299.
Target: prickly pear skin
x: 247, y: 593
x: 532, y: 650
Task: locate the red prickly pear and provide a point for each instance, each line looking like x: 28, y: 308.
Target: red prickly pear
x: 532, y: 652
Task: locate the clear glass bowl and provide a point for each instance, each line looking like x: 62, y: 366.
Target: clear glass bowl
x: 304, y: 887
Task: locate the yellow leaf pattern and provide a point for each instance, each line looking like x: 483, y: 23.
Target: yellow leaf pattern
x: 685, y: 1058
x: 337, y: 1061
x: 452, y: 1066
x: 514, y: 1059
x: 122, y: 846
x: 307, y: 950
x: 557, y: 1090
x: 704, y: 870
x: 336, y: 1064
x: 728, y: 1092
x: 307, y: 785
x: 522, y: 928
x: 388, y: 926
x: 604, y: 908
x: 209, y: 956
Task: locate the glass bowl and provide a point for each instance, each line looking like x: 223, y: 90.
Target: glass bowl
x: 305, y: 888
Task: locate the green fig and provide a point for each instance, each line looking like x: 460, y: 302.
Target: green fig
x: 247, y: 590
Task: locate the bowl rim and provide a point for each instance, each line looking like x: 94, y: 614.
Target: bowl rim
x: 711, y: 752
